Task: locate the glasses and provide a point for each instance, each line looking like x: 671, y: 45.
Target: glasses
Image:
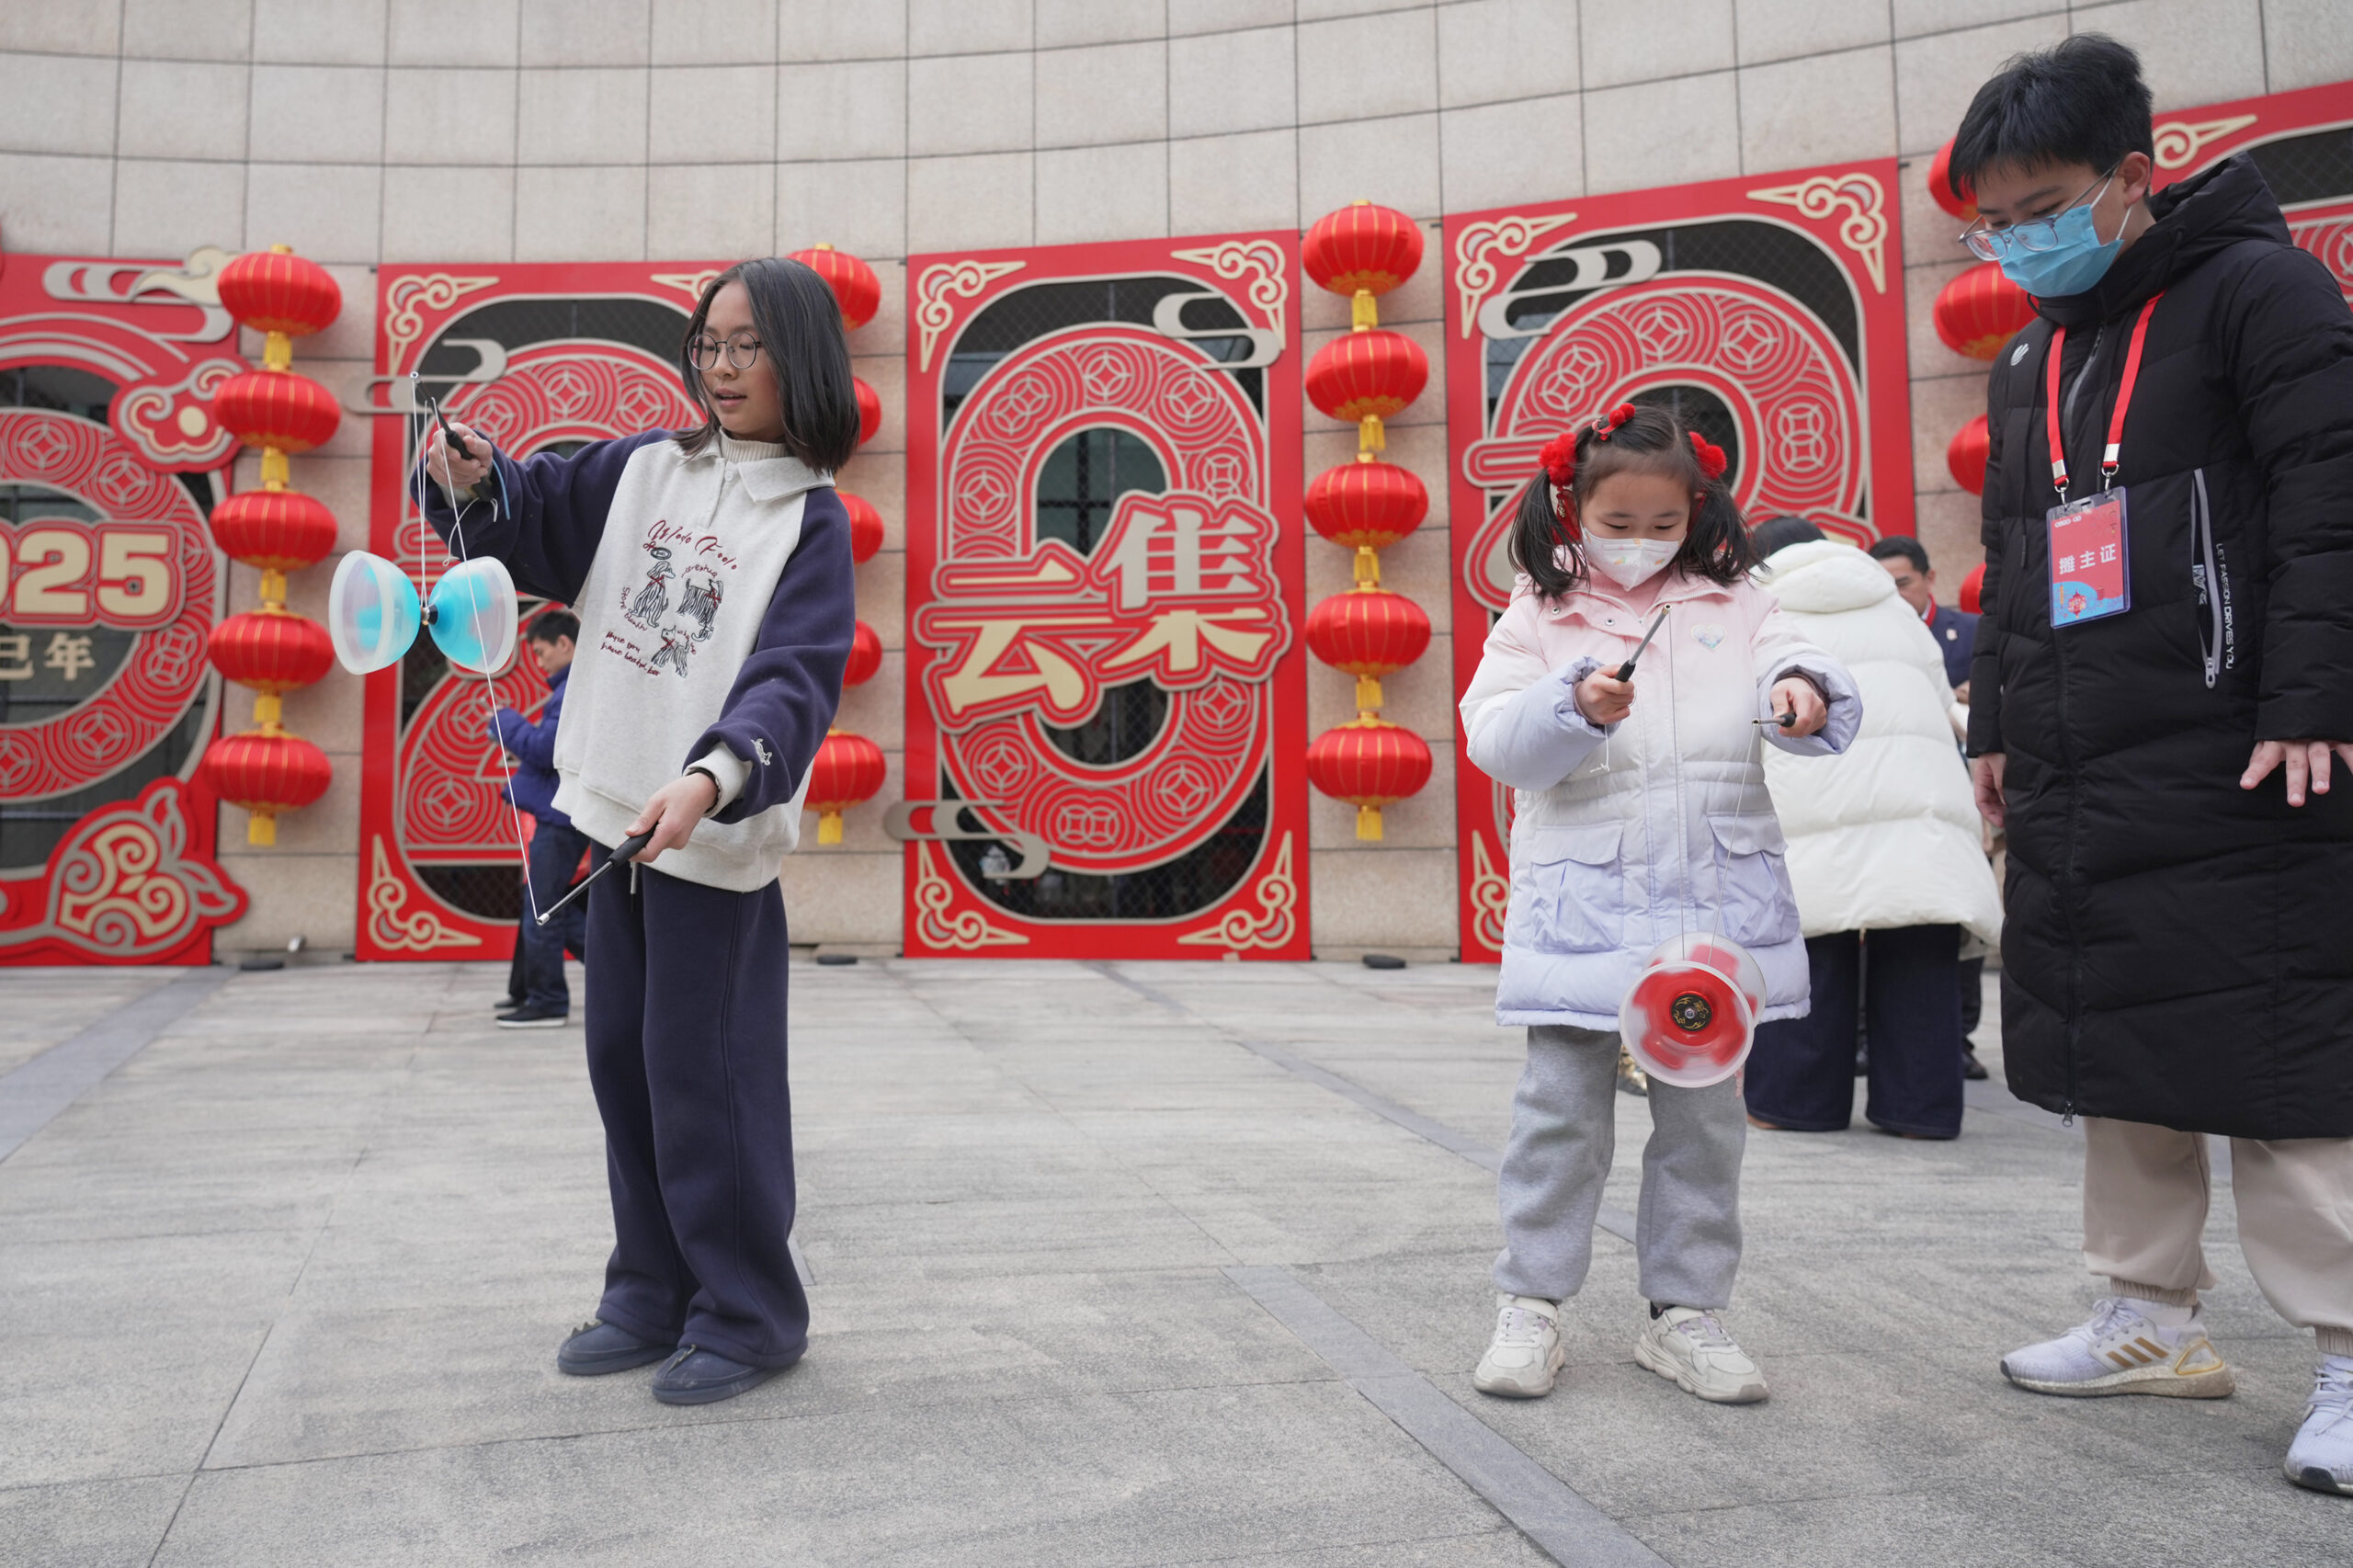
x: 743, y: 351
x: 2042, y: 234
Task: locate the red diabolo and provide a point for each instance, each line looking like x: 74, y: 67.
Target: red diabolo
x: 281, y: 530
x: 849, y: 768
x: 1369, y: 762
x: 865, y: 526
x: 1362, y: 247
x: 1944, y: 193
x: 865, y: 656
x: 271, y: 650
x: 276, y: 290
x: 855, y: 287
x: 1980, y: 310
x: 1967, y: 457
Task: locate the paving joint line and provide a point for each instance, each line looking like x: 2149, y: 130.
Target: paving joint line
x: 1611, y: 1217
x: 1554, y: 1516
x: 37, y: 1092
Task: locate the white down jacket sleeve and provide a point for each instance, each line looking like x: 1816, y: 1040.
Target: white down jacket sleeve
x: 1520, y: 724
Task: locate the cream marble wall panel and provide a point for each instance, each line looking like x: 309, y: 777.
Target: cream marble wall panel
x: 580, y: 214
x: 879, y: 477
x: 711, y: 114
x: 1191, y: 16
x: 842, y: 110
x: 1497, y: 155
x: 1106, y: 94
x: 969, y: 203
x: 340, y: 483
x: 1938, y: 74
x: 713, y: 32
x: 1394, y: 161
x: 177, y: 29
x: 352, y: 334
x: 1662, y: 134
x: 1371, y: 900
x: 314, y: 896
x: 584, y: 32
x: 1227, y: 184
x: 1825, y: 108
x: 883, y: 591
x: 581, y: 116
x: 1645, y: 43
x: 1221, y: 82
x: 57, y: 103
x: 1490, y: 50
x: 1368, y: 67
x: 709, y: 209
x: 968, y: 26
x: 1914, y: 17
x: 318, y: 114
x: 1103, y: 193
x: 448, y: 214
x: 2307, y: 43
x: 836, y: 898
x: 451, y: 32
x: 973, y: 103
x: 827, y: 29
x: 446, y: 114
x: 1940, y: 406
x: 1061, y: 23
x: 2192, y: 52
x: 1950, y: 524
x: 887, y: 333
x: 1784, y: 29
x: 860, y: 207
x: 878, y: 708
x: 63, y: 27
x: 1932, y: 235
x: 169, y: 209
x: 888, y: 377
x: 1325, y: 10
x: 178, y: 109
x: 329, y: 212
x: 320, y: 32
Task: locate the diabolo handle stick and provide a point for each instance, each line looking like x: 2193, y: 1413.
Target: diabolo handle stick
x: 626, y: 849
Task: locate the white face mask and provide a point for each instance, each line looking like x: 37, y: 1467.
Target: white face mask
x: 1630, y: 562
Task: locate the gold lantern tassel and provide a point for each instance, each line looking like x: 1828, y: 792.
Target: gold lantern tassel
x: 1368, y: 695
x: 829, y: 827
x: 1368, y: 823
x: 1363, y: 313
x: 261, y: 827
x: 1368, y: 567
x: 1368, y: 436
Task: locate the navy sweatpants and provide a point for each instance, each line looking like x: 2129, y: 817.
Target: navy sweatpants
x: 686, y: 1031
x: 1800, y: 1074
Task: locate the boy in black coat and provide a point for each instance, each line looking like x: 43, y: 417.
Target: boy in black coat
x: 2178, y: 949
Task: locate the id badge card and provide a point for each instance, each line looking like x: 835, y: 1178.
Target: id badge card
x: 2090, y: 560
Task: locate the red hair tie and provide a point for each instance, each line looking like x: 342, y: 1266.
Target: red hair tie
x: 1611, y: 420
x: 1711, y: 457
x: 1559, y: 458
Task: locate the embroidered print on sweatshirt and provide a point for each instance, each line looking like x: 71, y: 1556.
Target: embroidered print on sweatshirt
x: 676, y: 603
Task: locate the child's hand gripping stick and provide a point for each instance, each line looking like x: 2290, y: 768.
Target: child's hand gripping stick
x: 1626, y: 670
x: 626, y: 849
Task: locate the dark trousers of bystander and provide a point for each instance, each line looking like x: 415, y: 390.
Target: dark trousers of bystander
x: 556, y: 848
x: 1801, y: 1075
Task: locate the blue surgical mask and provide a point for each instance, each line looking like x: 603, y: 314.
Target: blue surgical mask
x: 2075, y: 265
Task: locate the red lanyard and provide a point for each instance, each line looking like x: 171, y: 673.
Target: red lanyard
x: 2108, y: 462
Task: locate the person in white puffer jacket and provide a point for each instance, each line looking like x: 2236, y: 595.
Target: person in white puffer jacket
x: 1884, y: 856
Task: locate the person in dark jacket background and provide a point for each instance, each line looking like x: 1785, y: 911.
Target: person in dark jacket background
x: 556, y: 846
x: 2178, y: 945
x: 1906, y: 560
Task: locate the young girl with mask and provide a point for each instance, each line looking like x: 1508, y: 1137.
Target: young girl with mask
x: 1642, y: 813
x: 711, y: 569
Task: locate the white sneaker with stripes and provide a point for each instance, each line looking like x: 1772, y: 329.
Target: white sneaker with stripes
x: 2121, y: 1350
x: 1525, y: 1355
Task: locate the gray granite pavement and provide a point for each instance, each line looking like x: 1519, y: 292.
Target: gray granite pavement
x: 284, y: 1287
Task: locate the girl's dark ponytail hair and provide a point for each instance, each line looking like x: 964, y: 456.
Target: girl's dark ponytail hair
x: 1547, y: 542
x: 800, y: 323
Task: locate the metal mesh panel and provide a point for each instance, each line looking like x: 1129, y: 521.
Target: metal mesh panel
x: 2302, y: 169
x: 1027, y: 314
x: 1083, y: 478
x: 489, y: 892
x: 1121, y: 727
x: 1191, y: 883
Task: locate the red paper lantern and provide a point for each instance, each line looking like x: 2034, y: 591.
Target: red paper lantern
x: 278, y: 531
x: 1369, y: 762
x: 1980, y: 310
x: 271, y: 650
x: 276, y: 408
x: 1944, y: 193
x: 849, y: 768
x: 1366, y: 377
x: 1367, y: 505
x: 1972, y: 446
x: 855, y: 289
x: 865, y: 526
x: 1362, y: 247
x: 865, y: 656
x: 870, y: 411
x: 1369, y: 633
x: 276, y: 290
x: 266, y: 772
x: 1973, y: 590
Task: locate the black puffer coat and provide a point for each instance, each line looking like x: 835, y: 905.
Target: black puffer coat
x: 2178, y: 950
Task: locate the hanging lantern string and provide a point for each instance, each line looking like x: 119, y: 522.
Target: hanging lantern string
x: 420, y: 432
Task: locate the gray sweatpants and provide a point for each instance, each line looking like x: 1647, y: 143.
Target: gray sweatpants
x: 1564, y: 1133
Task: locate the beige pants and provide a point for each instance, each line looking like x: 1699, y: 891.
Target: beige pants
x: 2145, y: 1194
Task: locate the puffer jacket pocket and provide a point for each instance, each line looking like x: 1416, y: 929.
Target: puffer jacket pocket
x: 1568, y: 890
x: 1760, y: 910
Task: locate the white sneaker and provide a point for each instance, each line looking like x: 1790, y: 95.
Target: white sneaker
x: 1689, y: 1348
x: 2120, y: 1350
x: 2322, y: 1455
x: 1525, y: 1355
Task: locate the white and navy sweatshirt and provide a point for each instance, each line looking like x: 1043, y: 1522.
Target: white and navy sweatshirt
x: 716, y: 607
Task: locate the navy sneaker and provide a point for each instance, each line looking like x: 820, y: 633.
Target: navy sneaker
x: 695, y: 1375
x: 527, y: 1018
x: 597, y: 1348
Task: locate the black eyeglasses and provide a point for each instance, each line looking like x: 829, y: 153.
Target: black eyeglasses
x: 743, y: 351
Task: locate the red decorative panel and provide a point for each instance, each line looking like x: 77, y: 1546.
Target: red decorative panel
x: 2303, y: 143
x: 1104, y: 600
x: 539, y: 356
x: 108, y: 585
x: 1769, y: 310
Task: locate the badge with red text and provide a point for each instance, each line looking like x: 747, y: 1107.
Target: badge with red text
x: 2089, y: 560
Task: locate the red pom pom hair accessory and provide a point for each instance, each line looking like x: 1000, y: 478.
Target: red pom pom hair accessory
x: 1604, y: 426
x: 1559, y: 458
x: 1711, y: 457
